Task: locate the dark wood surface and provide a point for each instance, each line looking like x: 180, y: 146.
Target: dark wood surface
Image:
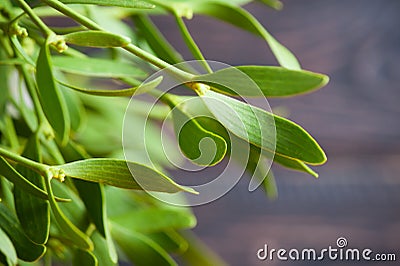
x: 356, y: 119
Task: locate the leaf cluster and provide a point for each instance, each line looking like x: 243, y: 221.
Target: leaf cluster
x: 67, y: 194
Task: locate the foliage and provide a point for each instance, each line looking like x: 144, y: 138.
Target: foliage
x: 60, y: 204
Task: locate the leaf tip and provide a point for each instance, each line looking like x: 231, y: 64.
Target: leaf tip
x: 324, y: 80
x: 190, y: 190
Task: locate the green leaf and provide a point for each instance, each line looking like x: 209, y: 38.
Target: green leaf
x: 27, y: 113
x: 70, y: 231
x: 4, y: 76
x: 95, y: 38
x: 25, y: 248
x: 84, y: 258
x: 272, y: 81
x: 7, y: 248
x: 269, y: 185
x: 117, y: 93
x: 140, y: 249
x: 241, y: 18
x: 275, y: 4
x: 76, y: 110
x: 123, y: 174
x: 119, y: 3
x: 257, y: 127
x: 93, y: 196
x: 155, y: 220
x: 96, y: 67
x: 102, y: 248
x: 198, y: 144
x: 51, y: 99
x: 294, y: 165
x: 258, y: 166
x: 33, y: 212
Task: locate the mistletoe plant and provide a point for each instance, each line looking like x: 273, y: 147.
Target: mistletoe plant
x: 67, y: 192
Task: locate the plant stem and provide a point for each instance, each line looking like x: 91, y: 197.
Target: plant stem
x: 191, y: 44
x: 47, y: 31
x: 130, y: 47
x: 40, y: 168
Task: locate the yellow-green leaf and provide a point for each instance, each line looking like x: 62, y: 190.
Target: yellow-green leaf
x: 96, y: 67
x: 119, y: 3
x: 275, y: 4
x: 272, y: 81
x: 95, y: 38
x: 155, y: 220
x: 123, y: 174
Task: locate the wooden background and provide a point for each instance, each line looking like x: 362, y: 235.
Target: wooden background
x: 355, y: 118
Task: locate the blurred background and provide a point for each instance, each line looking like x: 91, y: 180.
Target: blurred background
x: 355, y: 118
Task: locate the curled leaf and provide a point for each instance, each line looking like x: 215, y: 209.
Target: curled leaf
x: 201, y: 146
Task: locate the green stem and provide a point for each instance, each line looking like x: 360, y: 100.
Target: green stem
x: 40, y: 168
x: 47, y: 31
x: 5, y: 45
x: 130, y: 47
x: 191, y: 44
